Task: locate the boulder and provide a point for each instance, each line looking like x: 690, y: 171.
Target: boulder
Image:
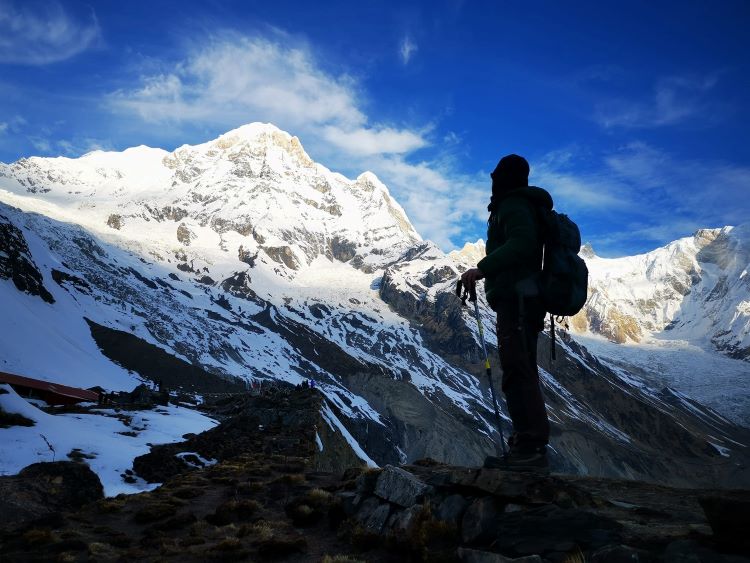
x: 480, y: 520
x: 366, y: 481
x: 452, y: 509
x: 563, y: 531
x: 377, y: 518
x: 373, y: 514
x: 399, y: 486
x: 349, y: 502
x: 403, y: 519
x: 43, y: 489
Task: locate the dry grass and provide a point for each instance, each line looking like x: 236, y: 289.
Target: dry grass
x: 341, y: 559
x: 293, y: 479
x: 363, y: 539
x: 427, y: 538
x: 177, y: 522
x: 224, y: 480
x: 37, y: 536
x: 576, y: 557
x: 302, y: 515
x: 188, y: 493
x: 100, y: 550
x: 229, y: 544
x: 265, y: 529
x: 202, y: 529
x: 233, y: 511
x: 154, y: 512
x: 278, y: 547
x: 319, y: 496
x: 110, y: 505
x: 190, y: 541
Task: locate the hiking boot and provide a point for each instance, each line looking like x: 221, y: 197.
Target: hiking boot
x: 534, y: 460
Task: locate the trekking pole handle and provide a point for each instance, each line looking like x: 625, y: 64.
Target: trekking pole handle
x: 470, y: 294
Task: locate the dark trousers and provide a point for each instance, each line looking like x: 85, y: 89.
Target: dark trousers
x: 517, y: 333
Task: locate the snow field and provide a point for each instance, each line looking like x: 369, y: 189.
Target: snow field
x: 98, y: 434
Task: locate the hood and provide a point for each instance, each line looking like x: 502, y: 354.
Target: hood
x: 539, y: 196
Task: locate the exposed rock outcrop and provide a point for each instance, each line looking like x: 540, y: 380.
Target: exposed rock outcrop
x: 16, y: 263
x: 280, y: 420
x: 263, y: 497
x: 44, y: 489
x: 488, y: 515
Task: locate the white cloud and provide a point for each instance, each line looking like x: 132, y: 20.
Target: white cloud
x: 711, y: 192
x: 231, y: 80
x: 46, y: 145
x: 640, y: 193
x: 674, y: 99
x: 3, y: 127
x: 41, y: 144
x: 406, y: 49
x: 575, y: 190
x: 77, y: 147
x: 42, y: 33
x: 365, y: 142
x: 234, y: 78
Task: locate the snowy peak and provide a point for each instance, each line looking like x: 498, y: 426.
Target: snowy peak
x: 251, y: 190
x: 470, y: 254
x: 694, y: 289
x: 587, y: 251
x: 380, y: 197
x: 259, y: 139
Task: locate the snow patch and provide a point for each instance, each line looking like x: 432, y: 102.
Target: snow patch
x: 99, y: 434
x: 335, y: 424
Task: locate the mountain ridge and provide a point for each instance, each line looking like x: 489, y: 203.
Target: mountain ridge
x: 247, y: 265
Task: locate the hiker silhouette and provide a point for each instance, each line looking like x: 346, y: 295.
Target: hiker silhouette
x: 512, y: 263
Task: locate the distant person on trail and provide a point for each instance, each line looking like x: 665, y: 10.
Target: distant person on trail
x: 512, y: 263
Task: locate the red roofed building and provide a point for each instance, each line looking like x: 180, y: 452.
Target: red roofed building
x: 51, y: 393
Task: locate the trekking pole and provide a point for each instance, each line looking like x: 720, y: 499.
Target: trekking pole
x: 472, y: 295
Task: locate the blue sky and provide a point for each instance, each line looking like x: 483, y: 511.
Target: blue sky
x: 634, y: 115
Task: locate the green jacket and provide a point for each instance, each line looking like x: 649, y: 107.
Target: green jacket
x: 514, y: 242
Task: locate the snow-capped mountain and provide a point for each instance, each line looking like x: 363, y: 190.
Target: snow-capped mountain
x: 241, y: 259
x: 681, y: 313
x: 697, y: 289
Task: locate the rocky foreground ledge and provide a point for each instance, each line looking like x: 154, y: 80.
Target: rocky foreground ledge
x: 274, y: 495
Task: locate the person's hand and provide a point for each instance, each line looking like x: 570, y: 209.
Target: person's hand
x: 470, y: 277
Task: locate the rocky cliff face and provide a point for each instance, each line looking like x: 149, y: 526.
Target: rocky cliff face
x: 16, y: 263
x: 243, y: 259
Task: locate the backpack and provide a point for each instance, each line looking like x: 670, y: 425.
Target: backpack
x: 563, y: 283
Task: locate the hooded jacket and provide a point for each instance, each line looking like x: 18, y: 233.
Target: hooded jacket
x: 514, y: 241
